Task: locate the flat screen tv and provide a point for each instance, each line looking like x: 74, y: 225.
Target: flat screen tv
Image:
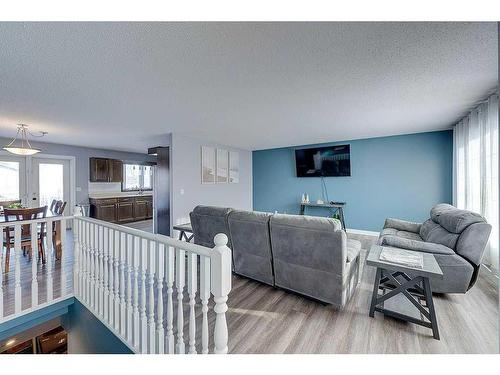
x: 331, y: 161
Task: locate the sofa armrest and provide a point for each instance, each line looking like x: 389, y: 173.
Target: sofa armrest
x: 398, y: 224
x: 425, y: 247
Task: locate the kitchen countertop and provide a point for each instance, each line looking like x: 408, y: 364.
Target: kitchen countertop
x: 123, y: 194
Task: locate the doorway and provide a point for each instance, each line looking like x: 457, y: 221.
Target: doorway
x: 51, y: 181
x: 37, y: 180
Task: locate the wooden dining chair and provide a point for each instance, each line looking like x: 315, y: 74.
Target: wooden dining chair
x: 59, y: 207
x: 19, y: 215
x: 53, y: 204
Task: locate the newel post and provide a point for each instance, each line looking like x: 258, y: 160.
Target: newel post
x: 76, y: 251
x: 220, y: 288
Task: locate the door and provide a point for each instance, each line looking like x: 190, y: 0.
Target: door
x: 13, y: 178
x: 51, y: 180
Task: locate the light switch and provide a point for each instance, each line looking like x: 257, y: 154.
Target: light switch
x: 182, y: 191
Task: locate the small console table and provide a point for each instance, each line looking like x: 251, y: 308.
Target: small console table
x: 335, y: 206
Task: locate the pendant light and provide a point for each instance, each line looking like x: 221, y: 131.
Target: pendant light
x: 22, y: 146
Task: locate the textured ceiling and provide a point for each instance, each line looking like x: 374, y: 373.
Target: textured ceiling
x: 250, y: 85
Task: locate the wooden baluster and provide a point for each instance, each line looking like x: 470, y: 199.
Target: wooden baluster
x: 17, y: 282
x: 116, y: 263
x: 205, y: 296
x: 92, y: 265
x: 135, y: 302
x: 192, y: 288
x: 97, y: 271
x: 85, y: 248
x: 123, y: 248
x: 144, y: 321
x: 130, y: 270
x: 50, y: 252
x: 89, y: 263
x: 220, y: 286
x: 111, y: 277
x: 105, y: 249
x: 151, y: 298
x: 34, y: 264
x: 64, y: 281
x: 76, y: 258
x: 170, y: 275
x: 179, y: 283
x: 160, y: 332
x: 100, y: 247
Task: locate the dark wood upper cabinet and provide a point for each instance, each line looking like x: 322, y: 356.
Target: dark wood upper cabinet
x: 115, y: 170
x: 105, y: 170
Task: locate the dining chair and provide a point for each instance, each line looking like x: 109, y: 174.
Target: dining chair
x: 53, y: 205
x: 59, y: 207
x: 12, y: 215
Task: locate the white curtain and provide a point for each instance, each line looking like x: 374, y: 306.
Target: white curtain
x: 475, y: 148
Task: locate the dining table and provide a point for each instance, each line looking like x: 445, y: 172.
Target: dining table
x: 57, y: 243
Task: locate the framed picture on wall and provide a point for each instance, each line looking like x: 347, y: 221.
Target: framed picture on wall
x: 222, y: 166
x: 207, y: 165
x: 234, y: 167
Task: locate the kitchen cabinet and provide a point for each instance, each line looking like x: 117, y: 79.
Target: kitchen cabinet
x: 122, y: 209
x: 105, y: 170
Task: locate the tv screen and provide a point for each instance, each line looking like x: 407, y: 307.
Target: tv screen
x: 332, y: 161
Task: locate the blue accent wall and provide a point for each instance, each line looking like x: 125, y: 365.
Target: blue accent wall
x: 398, y: 176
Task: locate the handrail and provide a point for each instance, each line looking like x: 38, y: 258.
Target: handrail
x: 34, y: 221
x: 198, y: 249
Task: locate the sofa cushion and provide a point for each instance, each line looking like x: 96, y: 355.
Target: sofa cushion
x: 426, y: 247
x: 207, y: 221
x: 472, y: 242
x: 407, y: 226
x: 456, y: 221
x: 353, y: 249
x: 433, y: 232
x: 440, y: 208
x: 400, y: 233
x: 453, y: 219
x: 251, y: 245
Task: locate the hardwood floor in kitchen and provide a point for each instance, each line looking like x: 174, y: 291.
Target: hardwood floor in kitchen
x: 262, y: 319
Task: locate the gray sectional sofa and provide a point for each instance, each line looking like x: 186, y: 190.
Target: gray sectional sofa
x: 308, y: 255
x: 457, y: 238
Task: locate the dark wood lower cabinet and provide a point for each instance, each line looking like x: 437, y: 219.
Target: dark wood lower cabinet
x: 141, y: 210
x: 122, y: 210
x: 125, y: 212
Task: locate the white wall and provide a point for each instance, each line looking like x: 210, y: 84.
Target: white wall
x: 186, y: 176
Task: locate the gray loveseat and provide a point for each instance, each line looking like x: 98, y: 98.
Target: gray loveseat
x: 308, y: 255
x: 457, y: 238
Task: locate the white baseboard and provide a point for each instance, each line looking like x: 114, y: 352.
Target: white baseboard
x: 363, y: 232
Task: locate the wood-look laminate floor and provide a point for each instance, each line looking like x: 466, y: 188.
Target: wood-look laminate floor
x: 262, y: 319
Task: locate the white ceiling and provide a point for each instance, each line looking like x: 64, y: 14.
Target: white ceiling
x: 249, y: 85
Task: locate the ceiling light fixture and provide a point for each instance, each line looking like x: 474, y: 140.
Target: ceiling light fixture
x: 24, y: 148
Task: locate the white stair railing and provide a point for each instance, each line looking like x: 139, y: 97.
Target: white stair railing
x: 121, y: 275
x: 31, y: 292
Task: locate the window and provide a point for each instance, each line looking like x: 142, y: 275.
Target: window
x: 137, y: 177
x: 9, y: 180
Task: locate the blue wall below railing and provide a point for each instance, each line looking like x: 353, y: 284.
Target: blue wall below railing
x: 398, y: 176
x: 86, y: 333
